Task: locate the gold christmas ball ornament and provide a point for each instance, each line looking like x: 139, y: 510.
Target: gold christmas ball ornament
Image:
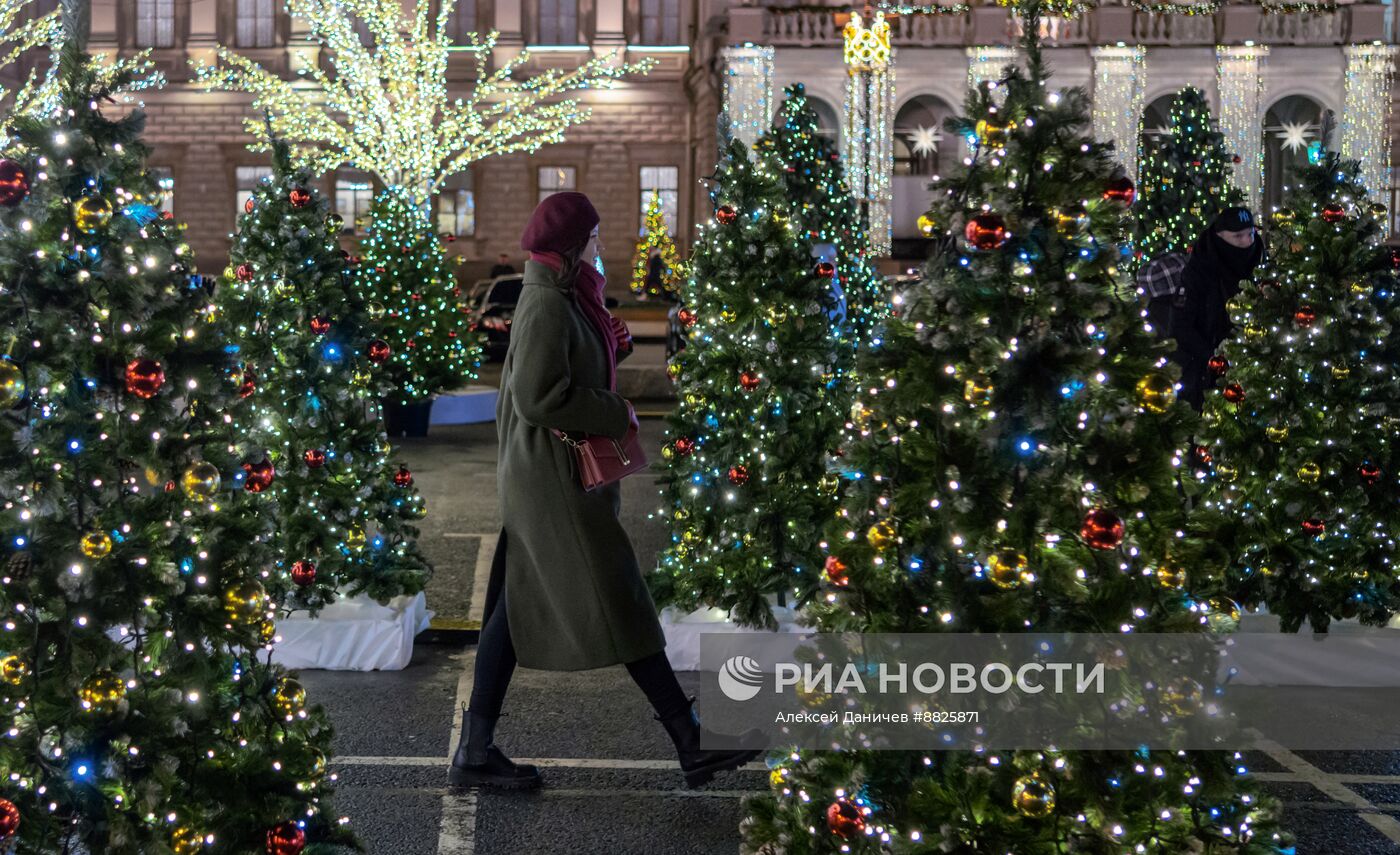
x: 186, y: 841
x: 1006, y: 568
x: 97, y: 544
x: 673, y: 370
x: 11, y: 384
x: 1032, y: 796
x: 667, y: 452
x: 1182, y: 696
x: 91, y: 213
x: 246, y: 603
x: 289, y: 697
x: 1253, y: 330
x: 927, y: 225
x: 1360, y: 288
x: 1222, y: 614
x: 776, y: 777
x: 267, y: 632
x: 13, y: 669
x: 201, y: 481
x: 860, y: 413
x: 829, y: 483
x: 1156, y: 392
x: 978, y: 390
x: 1340, y: 372
x: 1275, y: 433
x: 1171, y: 575
x: 1226, y: 472
x: 355, y: 538
x: 1070, y: 221
x: 991, y: 133
x: 1377, y: 209
x: 881, y: 535
x: 376, y: 311
x: 1309, y: 473
x: 101, y: 692
x: 729, y: 316
x: 1283, y: 216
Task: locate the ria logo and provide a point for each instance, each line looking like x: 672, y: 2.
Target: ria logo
x: 740, y: 678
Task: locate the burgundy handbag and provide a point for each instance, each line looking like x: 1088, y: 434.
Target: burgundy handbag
x: 602, y: 460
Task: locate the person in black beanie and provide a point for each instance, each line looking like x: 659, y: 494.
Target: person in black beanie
x: 1225, y: 253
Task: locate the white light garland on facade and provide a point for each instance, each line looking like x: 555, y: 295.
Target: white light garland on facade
x: 748, y: 91
x: 1366, y: 113
x: 1239, y: 78
x: 1120, y: 77
x: 987, y: 62
x: 869, y: 120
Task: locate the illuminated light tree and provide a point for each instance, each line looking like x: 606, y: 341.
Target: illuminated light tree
x: 1186, y: 179
x: 385, y: 107
x: 1010, y: 468
x: 20, y: 33
x: 411, y: 302
x: 1306, y: 470
x: 745, y: 492
x: 303, y: 337
x: 139, y: 711
x: 656, y: 236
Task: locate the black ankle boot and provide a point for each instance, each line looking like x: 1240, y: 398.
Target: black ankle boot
x: 698, y: 764
x: 479, y: 763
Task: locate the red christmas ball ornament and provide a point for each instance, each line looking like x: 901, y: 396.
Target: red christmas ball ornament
x: 1121, y: 189
x: 1218, y: 365
x: 320, y: 325
x: 248, y: 384
x: 379, y: 351
x: 749, y: 380
x: 726, y: 215
x: 1314, y: 527
x: 1395, y: 258
x: 1370, y: 473
x: 14, y: 183
x: 1333, y: 213
x: 248, y: 205
x: 986, y: 232
x: 1102, y: 529
x: 258, y: 476
x: 1305, y: 315
x: 144, y: 377
x: 244, y: 272
x: 304, y: 572
x: 315, y: 458
x: 844, y: 819
x: 835, y: 570
x: 9, y: 819
x: 285, y: 839
x: 300, y: 197
x: 1236, y: 159
x: 684, y: 446
x: 739, y: 475
x: 1201, y: 456
x: 826, y: 269
x: 403, y: 477
x: 686, y: 317
x: 1233, y: 392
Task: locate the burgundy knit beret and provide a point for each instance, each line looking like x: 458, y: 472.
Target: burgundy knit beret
x: 561, y: 223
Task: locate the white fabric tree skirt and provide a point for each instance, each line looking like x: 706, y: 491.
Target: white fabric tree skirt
x: 353, y: 634
x: 683, y: 631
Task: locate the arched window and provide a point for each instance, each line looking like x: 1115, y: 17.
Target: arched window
x: 1157, y: 120
x: 921, y: 146
x: 828, y: 121
x: 1290, y: 125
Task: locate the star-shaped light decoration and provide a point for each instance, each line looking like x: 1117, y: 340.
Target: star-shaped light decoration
x: 1294, y: 136
x: 925, y: 140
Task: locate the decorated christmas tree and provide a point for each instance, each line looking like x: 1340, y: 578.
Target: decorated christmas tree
x: 824, y: 207
x: 1303, y: 490
x: 1009, y: 468
x: 312, y: 377
x: 745, y: 483
x: 656, y: 239
x: 411, y: 302
x: 1185, y: 180
x: 139, y: 711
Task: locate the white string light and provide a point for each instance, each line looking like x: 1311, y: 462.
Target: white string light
x: 987, y: 62
x: 748, y: 91
x: 869, y: 120
x: 1239, y: 78
x: 1367, y: 112
x: 1120, y: 76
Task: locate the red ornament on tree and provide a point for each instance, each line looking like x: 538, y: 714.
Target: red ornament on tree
x: 1395, y: 258
x: 684, y: 446
x: 257, y: 476
x: 726, y: 215
x: 1267, y: 284
x: 1236, y: 159
x: 844, y: 819
x: 749, y: 380
x: 826, y: 269
x: 986, y: 232
x: 315, y: 458
x: 286, y: 839
x: 300, y: 197
x: 303, y: 573
x: 1314, y: 527
x: 1218, y: 365
x: 1121, y: 189
x: 248, y: 384
x: 144, y: 377
x: 1102, y: 529
x: 403, y: 477
x: 1370, y: 473
x: 1233, y: 392
x: 836, y: 571
x: 9, y: 819
x: 1333, y: 213
x: 320, y: 325
x: 686, y: 317
x: 248, y: 205
x: 1305, y: 316
x: 739, y: 475
x: 379, y: 351
x: 14, y: 183
x: 1201, y: 456
x: 244, y: 272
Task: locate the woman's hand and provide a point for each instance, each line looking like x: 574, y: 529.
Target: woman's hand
x: 621, y: 334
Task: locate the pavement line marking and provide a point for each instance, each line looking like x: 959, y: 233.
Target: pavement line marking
x: 463, y: 535
x: 549, y: 762
x: 457, y: 830
x: 482, y: 576
x: 1330, y: 786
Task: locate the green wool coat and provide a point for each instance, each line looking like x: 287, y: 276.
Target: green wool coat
x: 573, y: 591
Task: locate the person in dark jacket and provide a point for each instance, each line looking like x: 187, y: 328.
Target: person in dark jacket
x: 1225, y: 253
x: 566, y: 593
x: 502, y: 267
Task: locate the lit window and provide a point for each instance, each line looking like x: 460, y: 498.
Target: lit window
x: 457, y: 213
x: 558, y: 22
x: 463, y: 21
x: 663, y: 181
x: 257, y: 23
x: 354, y: 192
x: 661, y: 22
x: 247, y: 178
x: 556, y: 178
x: 155, y: 23
x: 165, y: 180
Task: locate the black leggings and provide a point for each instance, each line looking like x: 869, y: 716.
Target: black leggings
x: 495, y: 663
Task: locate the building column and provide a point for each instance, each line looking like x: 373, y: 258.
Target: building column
x: 1120, y: 77
x: 510, y: 23
x: 610, y: 30
x: 303, y: 52
x: 1241, y: 84
x: 748, y: 91
x: 102, y: 28
x: 987, y: 62
x: 203, y: 43
x: 1366, y: 114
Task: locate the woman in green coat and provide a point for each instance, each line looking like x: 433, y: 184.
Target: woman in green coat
x: 565, y: 592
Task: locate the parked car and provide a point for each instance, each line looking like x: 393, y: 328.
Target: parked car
x: 495, y: 309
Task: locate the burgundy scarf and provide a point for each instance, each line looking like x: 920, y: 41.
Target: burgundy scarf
x: 587, y: 288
